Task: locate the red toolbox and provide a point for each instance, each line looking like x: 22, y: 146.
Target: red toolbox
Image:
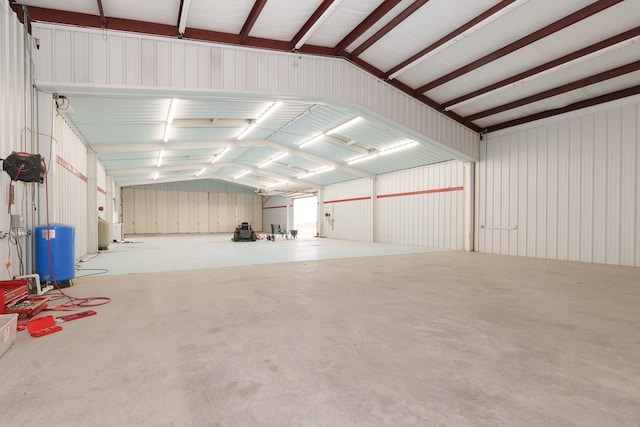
x: 15, y: 298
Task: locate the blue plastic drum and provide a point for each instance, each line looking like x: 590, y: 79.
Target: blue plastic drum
x: 55, y: 252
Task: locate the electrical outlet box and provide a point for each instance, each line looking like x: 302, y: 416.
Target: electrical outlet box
x: 16, y: 221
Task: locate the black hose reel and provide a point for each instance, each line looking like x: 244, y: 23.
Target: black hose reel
x: 25, y: 167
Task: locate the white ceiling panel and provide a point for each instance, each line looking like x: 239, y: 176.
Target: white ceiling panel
x: 133, y: 125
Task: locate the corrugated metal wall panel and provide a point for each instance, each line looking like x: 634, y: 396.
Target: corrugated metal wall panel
x: 136, y: 60
x: 15, y: 119
x: 151, y: 212
x: 578, y: 188
x: 173, y: 220
x: 349, y: 206
x: 140, y: 212
x: 162, y: 199
x: 214, y: 206
x: 422, y: 206
x: 274, y: 211
x: 183, y: 212
x: 70, y: 178
x: 203, y: 212
x: 128, y: 214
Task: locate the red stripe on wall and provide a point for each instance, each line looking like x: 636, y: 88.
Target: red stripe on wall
x: 102, y: 191
x: 70, y: 168
x: 275, y: 207
x: 355, y: 199
x: 413, y: 193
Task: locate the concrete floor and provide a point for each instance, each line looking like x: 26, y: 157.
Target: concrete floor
x: 427, y: 339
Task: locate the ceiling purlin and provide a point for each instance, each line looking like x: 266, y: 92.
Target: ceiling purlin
x: 367, y: 23
x: 102, y: 17
x: 452, y: 35
x: 389, y: 26
x: 554, y: 27
x: 251, y: 19
x: 613, y: 96
x: 596, y: 78
x: 310, y: 22
x: 635, y: 32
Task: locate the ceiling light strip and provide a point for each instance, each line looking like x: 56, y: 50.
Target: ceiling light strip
x: 363, y: 158
x: 159, y: 163
x: 219, y: 155
x: 278, y: 157
x: 316, y: 172
x: 269, y: 111
x: 397, y: 148
x: 241, y: 174
x: 246, y: 131
x: 344, y: 125
x: 172, y: 110
x: 201, y: 171
x: 327, y: 13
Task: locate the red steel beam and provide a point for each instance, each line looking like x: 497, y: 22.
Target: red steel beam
x: 102, y: 17
x: 596, y: 78
x: 390, y: 26
x: 368, y: 22
x: 624, y: 93
x: 635, y: 32
x: 251, y: 19
x: 312, y: 20
x: 452, y: 35
x: 554, y: 27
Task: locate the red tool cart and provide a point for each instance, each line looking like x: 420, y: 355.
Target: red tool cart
x: 14, y: 298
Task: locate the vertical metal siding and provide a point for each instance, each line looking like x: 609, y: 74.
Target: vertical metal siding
x: 15, y: 119
x: 572, y: 190
x: 425, y: 207
x: 350, y: 207
x: 137, y: 60
x: 71, y: 179
x: 163, y: 211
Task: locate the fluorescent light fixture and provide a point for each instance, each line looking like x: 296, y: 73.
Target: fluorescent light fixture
x: 172, y: 110
x: 246, y: 131
x: 167, y: 128
x: 316, y: 172
x: 269, y: 111
x: 160, y: 158
x: 327, y: 13
x: 344, y: 125
x: 276, y: 184
x: 399, y: 147
x: 217, y: 156
x: 182, y: 25
x: 201, y: 171
x: 241, y: 174
x: 155, y: 176
x: 459, y: 37
x: 362, y: 159
x: 278, y: 157
x: 312, y: 140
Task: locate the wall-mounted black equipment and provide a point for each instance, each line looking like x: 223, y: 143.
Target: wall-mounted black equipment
x: 25, y: 167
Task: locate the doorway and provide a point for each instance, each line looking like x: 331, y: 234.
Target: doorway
x: 305, y: 215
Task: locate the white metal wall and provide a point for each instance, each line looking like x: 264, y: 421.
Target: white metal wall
x: 106, y: 58
x: 422, y: 206
x: 347, y: 211
x: 567, y: 189
x: 276, y: 210
x: 15, y: 135
x: 68, y: 195
x: 102, y: 191
x: 151, y: 211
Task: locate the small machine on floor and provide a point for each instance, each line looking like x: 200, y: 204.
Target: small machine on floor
x: 244, y: 233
